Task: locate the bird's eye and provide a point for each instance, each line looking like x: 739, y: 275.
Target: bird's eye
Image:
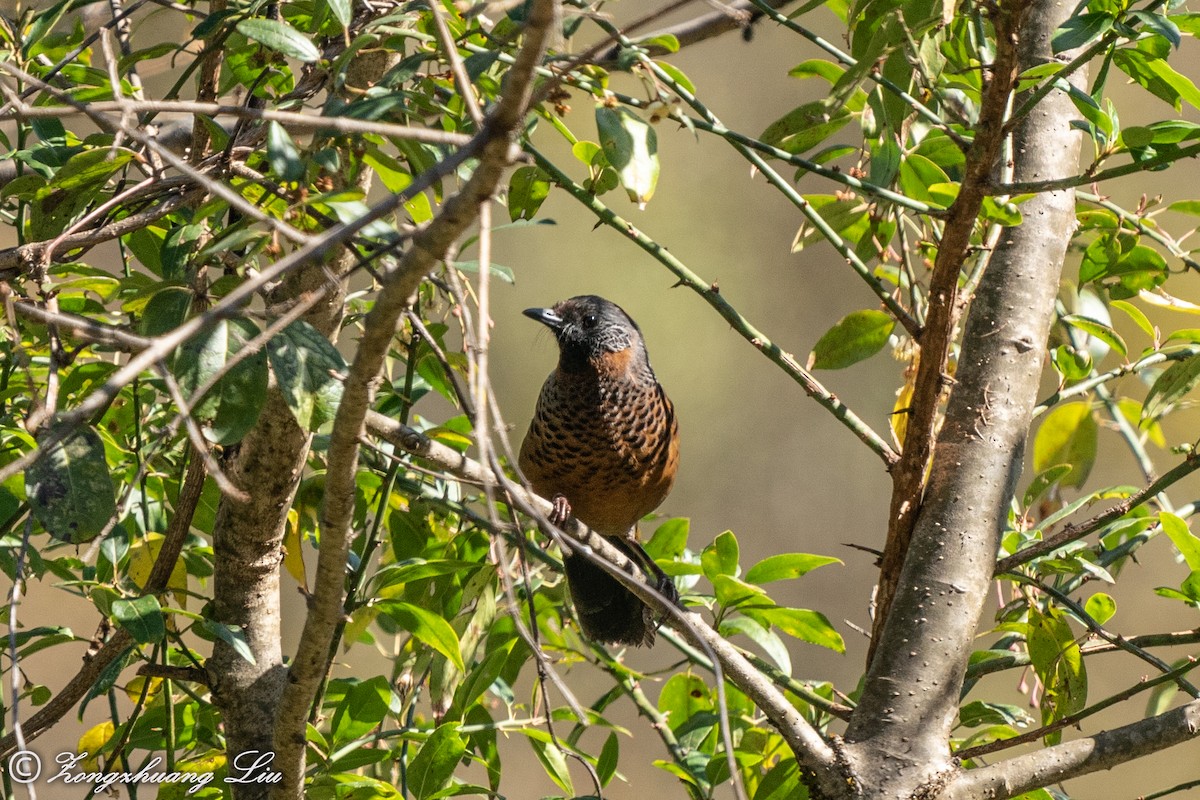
x: 589, y: 321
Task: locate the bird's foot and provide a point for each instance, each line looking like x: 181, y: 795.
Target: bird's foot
x: 666, y: 587
x: 560, y: 511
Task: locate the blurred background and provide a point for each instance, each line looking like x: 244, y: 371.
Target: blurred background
x: 758, y: 457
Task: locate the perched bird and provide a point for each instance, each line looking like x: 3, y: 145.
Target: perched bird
x: 604, y: 444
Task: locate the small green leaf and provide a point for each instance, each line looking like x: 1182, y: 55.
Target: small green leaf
x: 1183, y: 539
x: 362, y: 708
x: 606, y: 764
x: 232, y: 635
x: 677, y: 75
x: 1171, y: 386
x: 427, y: 627
x: 1100, y: 607
x: 434, y: 764
x: 808, y: 626
x: 1080, y: 30
x: 803, y: 128
x: 283, y: 155
x: 731, y: 592
x: 527, y: 190
x: 1097, y: 329
x: 309, y: 371
x: 69, y: 487
x: 669, y: 539
x: 1043, y: 481
x: 238, y: 390
x: 553, y: 761
x: 856, y: 336
x: 762, y: 636
x: 684, y: 696
x: 631, y: 147
x: 720, y: 557
x: 281, y: 37
x: 142, y: 617
x: 787, y: 565
x: 1135, y: 314
x: 1068, y: 435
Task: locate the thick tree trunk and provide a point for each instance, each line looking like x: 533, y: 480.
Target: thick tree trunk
x: 897, y: 741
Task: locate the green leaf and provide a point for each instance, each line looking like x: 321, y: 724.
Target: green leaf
x: 803, y: 128
x: 762, y: 636
x: 1157, y: 77
x: 808, y: 626
x: 1100, y: 607
x: 1068, y: 435
x: 1097, y: 329
x: 683, y: 697
x: 69, y: 487
x: 281, y: 37
x: 239, y: 393
x: 527, y: 190
x: 342, y: 11
x: 1058, y: 662
x: 362, y: 708
x: 787, y: 565
x: 631, y: 147
x: 1135, y: 314
x: 427, y: 627
x: 669, y: 539
x: 283, y: 155
x: 606, y: 764
x: 856, y: 336
x: 434, y: 764
x: 731, y: 592
x: 1080, y: 30
x: 142, y: 617
x: 1171, y: 386
x: 720, y: 557
x: 1043, y: 481
x: 677, y: 75
x: 979, y: 712
x: 666, y: 42
x: 166, y: 310
x: 232, y: 635
x: 309, y: 371
x: 553, y: 760
x: 1177, y: 530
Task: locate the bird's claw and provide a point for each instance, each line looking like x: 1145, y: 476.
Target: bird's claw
x: 560, y: 511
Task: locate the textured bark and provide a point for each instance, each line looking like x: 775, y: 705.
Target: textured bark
x: 426, y: 248
x: 909, y: 476
x: 897, y: 738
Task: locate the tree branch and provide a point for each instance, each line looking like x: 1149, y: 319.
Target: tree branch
x: 909, y: 476
x: 1079, y: 757
x: 910, y: 699
x: 426, y: 248
x: 810, y: 749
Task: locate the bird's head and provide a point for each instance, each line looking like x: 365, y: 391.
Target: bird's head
x: 593, y: 333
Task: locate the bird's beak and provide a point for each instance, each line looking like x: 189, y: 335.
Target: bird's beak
x: 546, y: 316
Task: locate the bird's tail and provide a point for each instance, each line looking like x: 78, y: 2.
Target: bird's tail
x: 609, y: 612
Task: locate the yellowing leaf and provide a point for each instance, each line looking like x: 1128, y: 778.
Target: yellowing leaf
x: 92, y: 741
x: 293, y: 549
x: 1067, y: 436
x: 142, y: 555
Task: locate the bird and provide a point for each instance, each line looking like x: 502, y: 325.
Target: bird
x: 604, y: 447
